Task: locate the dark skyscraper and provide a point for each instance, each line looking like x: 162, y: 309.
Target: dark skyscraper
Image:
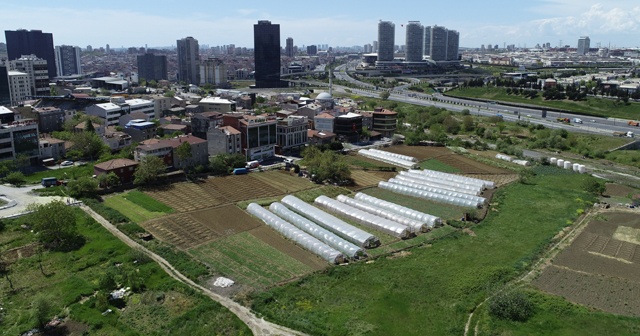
x: 312, y: 50
x: 414, y: 42
x: 289, y: 47
x: 266, y: 48
x: 386, y: 41
x: 5, y: 96
x: 152, y: 67
x: 189, y: 61
x: 31, y: 42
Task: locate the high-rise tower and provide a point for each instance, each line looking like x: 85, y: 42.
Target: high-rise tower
x: 266, y: 48
x: 31, y: 42
x: 289, y: 47
x: 386, y: 40
x: 453, y: 44
x: 438, y: 43
x: 189, y: 60
x: 68, y: 60
x: 152, y: 67
x: 414, y: 41
x: 584, y: 43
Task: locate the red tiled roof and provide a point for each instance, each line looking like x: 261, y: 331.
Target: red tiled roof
x: 115, y: 163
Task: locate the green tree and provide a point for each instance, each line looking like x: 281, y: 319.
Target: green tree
x: 84, y: 186
x: 384, y: 95
x: 326, y: 166
x: 41, y: 311
x: 594, y: 186
x: 55, y: 224
x: 16, y: 178
x: 467, y: 123
x: 88, y: 126
x: 224, y: 163
x: 183, y: 152
x: 88, y: 144
x: 170, y: 93
x: 149, y: 170
x: 514, y: 306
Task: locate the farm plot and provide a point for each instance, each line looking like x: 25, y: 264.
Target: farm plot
x: 617, y: 190
x: 284, y: 181
x: 132, y: 208
x: 419, y: 152
x: 498, y: 179
x: 601, y: 268
x: 241, y: 187
x: 187, y: 230
x: 186, y: 196
x: 364, y: 179
x: 469, y: 166
x: 251, y: 261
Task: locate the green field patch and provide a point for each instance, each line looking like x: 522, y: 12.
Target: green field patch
x: 138, y: 207
x: 444, y: 211
x: 423, y: 238
x: 249, y: 260
x: 440, y: 284
x: 64, y: 173
x: 435, y: 164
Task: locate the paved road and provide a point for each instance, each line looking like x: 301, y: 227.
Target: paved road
x: 257, y: 325
x: 20, y: 198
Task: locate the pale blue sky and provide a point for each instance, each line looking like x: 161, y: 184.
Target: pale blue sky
x: 337, y: 23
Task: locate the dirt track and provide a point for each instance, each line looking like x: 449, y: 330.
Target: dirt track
x: 257, y: 325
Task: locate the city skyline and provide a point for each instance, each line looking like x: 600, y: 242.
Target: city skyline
x: 615, y: 23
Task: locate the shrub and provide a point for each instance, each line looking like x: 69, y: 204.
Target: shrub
x: 514, y: 306
x: 16, y: 178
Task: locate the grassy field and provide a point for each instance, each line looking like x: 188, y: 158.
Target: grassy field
x: 433, y: 288
x: 64, y: 173
x: 590, y: 106
x: 69, y: 281
x: 434, y: 164
x: 137, y: 206
x: 627, y: 157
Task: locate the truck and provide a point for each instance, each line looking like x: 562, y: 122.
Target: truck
x: 49, y: 181
x: 623, y: 134
x: 253, y: 164
x: 564, y: 120
x: 577, y: 120
x: 634, y: 123
x: 240, y: 171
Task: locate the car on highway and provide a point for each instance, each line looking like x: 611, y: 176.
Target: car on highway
x: 66, y: 163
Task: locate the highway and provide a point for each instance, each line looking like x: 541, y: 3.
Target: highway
x: 595, y: 125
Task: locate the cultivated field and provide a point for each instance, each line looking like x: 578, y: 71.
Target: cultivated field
x: 364, y: 179
x: 419, y: 152
x: 601, y: 268
x: 470, y: 166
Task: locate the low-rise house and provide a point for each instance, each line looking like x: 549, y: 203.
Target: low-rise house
x: 224, y: 140
x: 292, y: 133
x: 320, y: 137
x: 116, y: 140
x: 123, y: 168
x: 52, y: 148
x: 202, y: 122
x: 140, y: 130
x: 166, y: 149
x: 217, y: 104
x: 324, y: 122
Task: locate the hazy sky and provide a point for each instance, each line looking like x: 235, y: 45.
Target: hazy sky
x: 337, y: 23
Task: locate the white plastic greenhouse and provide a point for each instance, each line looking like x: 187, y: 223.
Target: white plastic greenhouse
x: 399, y: 156
x: 438, y: 190
x: 400, y: 189
x: 560, y: 163
x: 553, y: 160
x: 341, y: 228
x: 567, y: 165
x: 300, y: 237
x: 457, y: 178
x: 324, y: 235
x: 444, y: 184
x: 415, y: 225
x: 575, y: 167
x: 399, y: 209
x: 375, y: 222
x: 582, y: 169
x: 387, y: 159
x: 504, y: 157
x: 522, y: 162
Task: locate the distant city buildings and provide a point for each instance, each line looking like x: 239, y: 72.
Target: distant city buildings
x: 386, y: 41
x: 414, y: 41
x: 583, y: 45
x: 213, y: 71
x: 188, y: 60
x: 266, y: 48
x: 289, y: 47
x: 152, y: 67
x: 68, y: 60
x: 31, y: 42
x: 312, y: 50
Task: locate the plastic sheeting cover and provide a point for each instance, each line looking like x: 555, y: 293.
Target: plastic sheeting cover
x: 399, y: 209
x: 399, y: 156
x: 376, y: 222
x: 455, y: 178
x: 324, y: 235
x: 386, y: 158
x: 472, y: 189
x: 300, y: 237
x: 400, y: 189
x: 438, y: 190
x: 331, y: 223
x: 415, y: 225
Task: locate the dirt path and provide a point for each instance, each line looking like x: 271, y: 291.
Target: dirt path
x: 257, y: 325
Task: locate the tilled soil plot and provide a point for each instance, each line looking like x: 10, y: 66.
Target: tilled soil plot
x: 470, y: 166
x: 419, y: 152
x: 618, y: 190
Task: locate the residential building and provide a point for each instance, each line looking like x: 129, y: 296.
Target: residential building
x: 438, y: 43
x: 213, y: 71
x: 37, y: 72
x: 32, y: 42
x: 348, y: 127
x: 201, y: 123
x: 266, y: 49
x: 312, y: 50
x: 316, y: 137
x: 292, y: 133
x: 414, y: 41
x: 118, y: 106
x: 384, y: 122
x: 19, y: 89
x: 259, y: 135
x: 584, y: 43
x: 310, y: 110
x: 123, y: 168
x: 367, y: 119
x: 152, y: 67
x: 288, y: 50
x: 323, y: 122
x: 116, y: 140
x: 427, y: 41
x: 19, y: 138
x: 140, y: 105
x: 453, y: 45
x: 386, y: 41
x: 52, y: 148
x: 224, y: 140
x: 160, y: 104
x: 50, y: 119
x: 140, y: 130
x: 188, y: 60
x: 166, y: 149
x: 98, y: 128
x: 7, y: 115
x: 68, y: 60
x: 110, y: 83
x: 217, y: 104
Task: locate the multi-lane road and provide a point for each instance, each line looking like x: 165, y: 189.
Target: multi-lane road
x: 401, y: 93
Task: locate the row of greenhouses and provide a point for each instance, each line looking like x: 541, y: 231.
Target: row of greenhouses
x: 414, y: 192
x: 415, y: 225
x: 391, y: 207
x: 391, y: 158
x: 439, y: 183
x: 457, y: 178
x: 576, y: 167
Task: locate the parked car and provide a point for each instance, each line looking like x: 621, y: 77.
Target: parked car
x: 66, y: 163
